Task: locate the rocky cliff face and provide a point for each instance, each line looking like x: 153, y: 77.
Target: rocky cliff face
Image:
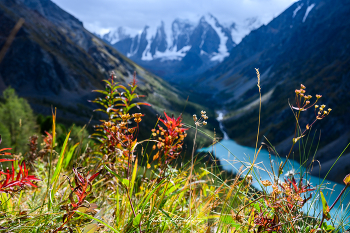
x: 308, y: 43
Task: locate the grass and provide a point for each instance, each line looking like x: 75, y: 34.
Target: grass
x: 116, y: 183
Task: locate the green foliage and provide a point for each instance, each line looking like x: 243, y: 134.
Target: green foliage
x: 103, y: 187
x: 17, y: 121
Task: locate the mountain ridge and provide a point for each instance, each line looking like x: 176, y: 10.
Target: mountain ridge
x: 167, y: 51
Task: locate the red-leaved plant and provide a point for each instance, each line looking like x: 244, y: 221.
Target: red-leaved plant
x: 80, y: 190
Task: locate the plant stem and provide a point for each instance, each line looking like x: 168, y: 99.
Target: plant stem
x: 335, y: 202
x: 194, y: 144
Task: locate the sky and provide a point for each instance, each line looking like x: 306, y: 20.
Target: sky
x: 100, y: 16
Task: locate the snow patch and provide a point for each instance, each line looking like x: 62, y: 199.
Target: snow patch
x: 297, y: 9
x: 132, y: 53
x: 242, y: 29
x: 203, y: 53
x: 222, y: 51
x: 172, y: 54
x: 309, y: 8
x: 150, y: 34
x: 115, y: 35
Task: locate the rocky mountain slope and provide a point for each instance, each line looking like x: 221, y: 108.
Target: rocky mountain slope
x: 184, y: 48
x: 55, y: 61
x: 308, y: 43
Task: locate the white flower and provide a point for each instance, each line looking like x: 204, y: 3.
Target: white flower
x: 290, y: 173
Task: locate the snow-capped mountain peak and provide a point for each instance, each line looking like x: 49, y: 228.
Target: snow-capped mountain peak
x: 182, y: 44
x: 172, y: 42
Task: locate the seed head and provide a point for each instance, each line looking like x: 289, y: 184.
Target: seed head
x: 249, y: 178
x: 266, y: 183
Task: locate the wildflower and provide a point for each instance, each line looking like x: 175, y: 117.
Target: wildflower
x: 298, y: 198
x: 137, y: 115
x: 318, y: 96
x: 137, y: 119
x: 205, y: 123
x: 122, y: 124
x: 316, y: 106
x: 131, y: 130
x: 125, y: 117
x: 307, y: 102
x: 194, y: 117
x: 325, y: 112
x: 275, y: 189
x: 266, y: 183
x: 323, y: 106
x: 203, y: 112
x: 329, y: 109
x: 205, y: 117
x: 197, y: 123
x: 290, y: 173
x: 302, y: 86
x: 154, y: 134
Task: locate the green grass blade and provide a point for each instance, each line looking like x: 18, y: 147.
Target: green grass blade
x: 98, y: 220
x: 68, y: 158
x: 60, y: 160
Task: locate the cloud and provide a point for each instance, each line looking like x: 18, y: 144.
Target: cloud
x: 100, y: 16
